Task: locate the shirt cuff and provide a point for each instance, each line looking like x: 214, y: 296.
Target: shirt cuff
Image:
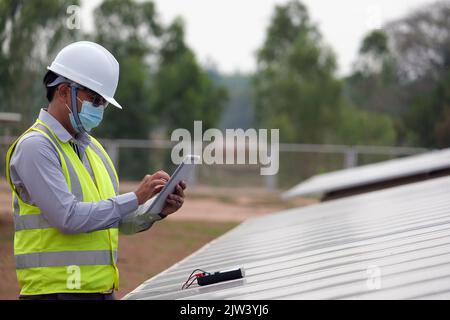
x: 127, y: 203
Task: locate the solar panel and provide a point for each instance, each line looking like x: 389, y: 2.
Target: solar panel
x: 388, y: 244
x: 372, y: 173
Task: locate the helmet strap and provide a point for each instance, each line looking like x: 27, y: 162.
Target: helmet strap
x: 73, y: 102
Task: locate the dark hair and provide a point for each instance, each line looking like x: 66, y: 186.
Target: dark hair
x: 49, y: 77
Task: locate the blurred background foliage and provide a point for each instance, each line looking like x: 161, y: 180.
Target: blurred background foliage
x: 398, y: 93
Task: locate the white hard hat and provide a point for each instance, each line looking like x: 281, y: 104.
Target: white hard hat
x: 90, y: 65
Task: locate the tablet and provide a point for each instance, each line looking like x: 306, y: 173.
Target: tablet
x: 181, y: 173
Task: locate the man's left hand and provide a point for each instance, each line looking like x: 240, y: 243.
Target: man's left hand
x: 175, y: 200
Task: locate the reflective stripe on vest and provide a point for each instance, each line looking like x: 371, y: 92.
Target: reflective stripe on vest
x: 107, y: 165
x: 29, y: 221
x: 64, y: 258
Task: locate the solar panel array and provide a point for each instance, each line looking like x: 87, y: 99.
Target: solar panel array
x: 372, y: 173
x: 388, y: 244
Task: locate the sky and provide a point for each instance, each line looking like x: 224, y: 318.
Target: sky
x: 228, y: 33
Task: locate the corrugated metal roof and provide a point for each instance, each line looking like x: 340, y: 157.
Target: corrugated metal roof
x: 397, y: 239
x: 372, y: 173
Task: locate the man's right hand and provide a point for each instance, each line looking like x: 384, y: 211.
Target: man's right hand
x: 151, y: 185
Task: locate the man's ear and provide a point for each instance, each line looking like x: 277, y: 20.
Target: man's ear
x: 63, y: 90
x: 63, y: 93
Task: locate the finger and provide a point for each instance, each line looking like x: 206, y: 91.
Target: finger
x: 183, y: 185
x: 157, y: 182
x: 176, y: 198
x: 156, y: 186
x: 179, y: 191
x: 159, y: 178
x: 172, y: 196
x: 161, y: 175
x: 172, y: 202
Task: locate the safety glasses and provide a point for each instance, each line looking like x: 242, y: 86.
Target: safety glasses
x: 95, y: 98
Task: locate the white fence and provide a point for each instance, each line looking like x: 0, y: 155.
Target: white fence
x: 297, y: 161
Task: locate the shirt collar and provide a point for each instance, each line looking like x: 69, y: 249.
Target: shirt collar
x: 60, y: 131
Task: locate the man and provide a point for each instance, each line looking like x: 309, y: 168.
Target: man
x: 67, y: 209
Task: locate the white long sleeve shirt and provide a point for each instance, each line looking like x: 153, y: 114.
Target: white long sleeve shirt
x: 37, y: 174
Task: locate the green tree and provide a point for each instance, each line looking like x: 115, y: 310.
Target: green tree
x: 360, y: 127
x: 403, y: 70
x: 430, y: 117
x: 30, y: 33
x: 161, y: 85
x: 183, y: 92
x: 128, y: 29
x: 294, y: 88
x: 424, y: 67
x: 372, y: 86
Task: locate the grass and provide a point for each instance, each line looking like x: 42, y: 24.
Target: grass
x: 141, y: 256
x: 8, y: 283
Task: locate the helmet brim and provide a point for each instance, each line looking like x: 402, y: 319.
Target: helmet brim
x: 113, y: 102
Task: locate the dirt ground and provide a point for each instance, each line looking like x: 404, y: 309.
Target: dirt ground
x: 206, y: 214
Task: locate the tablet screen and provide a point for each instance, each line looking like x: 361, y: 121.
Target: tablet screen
x: 182, y: 172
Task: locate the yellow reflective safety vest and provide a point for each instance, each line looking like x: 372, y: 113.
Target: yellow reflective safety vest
x: 48, y: 261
